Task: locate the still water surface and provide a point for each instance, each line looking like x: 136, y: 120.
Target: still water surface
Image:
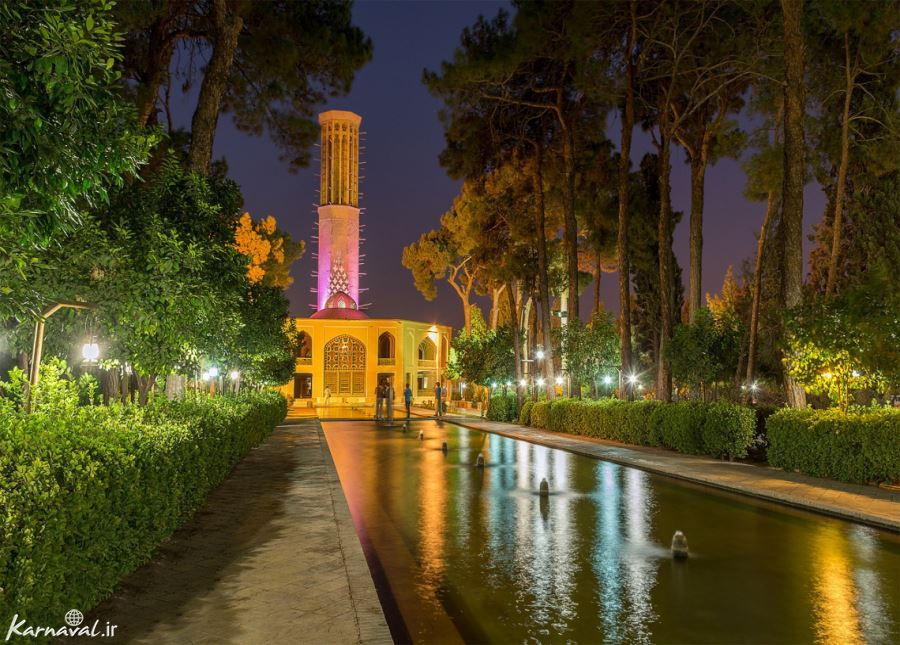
x: 464, y: 554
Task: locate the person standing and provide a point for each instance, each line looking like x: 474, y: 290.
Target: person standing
x: 327, y: 395
x: 389, y: 401
x: 407, y: 399
x: 379, y: 395
x: 438, y: 392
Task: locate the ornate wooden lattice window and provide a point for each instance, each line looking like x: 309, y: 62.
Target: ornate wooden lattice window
x: 345, y: 366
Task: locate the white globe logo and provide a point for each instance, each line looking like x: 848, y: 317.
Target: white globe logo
x: 74, y: 618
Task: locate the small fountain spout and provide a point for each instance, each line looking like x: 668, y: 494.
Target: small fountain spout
x: 545, y: 488
x: 444, y: 447
x: 679, y: 545
x: 421, y: 434
x: 479, y: 463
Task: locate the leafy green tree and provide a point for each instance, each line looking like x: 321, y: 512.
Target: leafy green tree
x: 703, y: 353
x: 65, y: 133
x: 589, y: 350
x: 269, y: 64
x: 849, y: 341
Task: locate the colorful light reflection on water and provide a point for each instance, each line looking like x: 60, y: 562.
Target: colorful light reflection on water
x: 465, y: 554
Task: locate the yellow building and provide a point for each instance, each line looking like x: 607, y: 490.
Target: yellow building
x: 343, y: 352
x: 351, y: 356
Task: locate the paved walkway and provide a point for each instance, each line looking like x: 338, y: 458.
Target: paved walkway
x: 271, y: 558
x: 877, y: 507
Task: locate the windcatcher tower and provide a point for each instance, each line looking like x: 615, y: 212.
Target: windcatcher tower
x: 338, y: 252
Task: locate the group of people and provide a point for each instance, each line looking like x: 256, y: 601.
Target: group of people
x: 384, y: 401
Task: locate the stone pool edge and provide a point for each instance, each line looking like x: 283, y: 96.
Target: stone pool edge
x: 370, y: 620
x: 827, y: 497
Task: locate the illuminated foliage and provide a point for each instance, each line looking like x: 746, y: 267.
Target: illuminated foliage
x: 270, y: 252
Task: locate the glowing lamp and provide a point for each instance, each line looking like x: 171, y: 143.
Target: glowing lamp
x: 540, y: 354
x: 508, y: 383
x: 90, y: 352
x: 462, y: 386
x: 855, y: 374
x: 541, y: 382
x: 523, y: 382
x: 607, y: 380
x: 633, y: 379
x: 559, y: 380
x: 205, y: 375
x: 213, y: 372
x: 826, y: 375
x: 234, y: 375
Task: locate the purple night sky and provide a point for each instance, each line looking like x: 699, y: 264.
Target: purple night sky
x: 406, y: 191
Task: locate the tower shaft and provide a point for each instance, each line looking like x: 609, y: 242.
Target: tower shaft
x: 339, y: 206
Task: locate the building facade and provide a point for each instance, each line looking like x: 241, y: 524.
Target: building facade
x: 342, y: 350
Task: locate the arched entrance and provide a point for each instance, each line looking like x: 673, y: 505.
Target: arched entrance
x: 345, y: 366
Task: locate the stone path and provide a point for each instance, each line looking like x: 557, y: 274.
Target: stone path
x: 877, y: 507
x: 271, y: 558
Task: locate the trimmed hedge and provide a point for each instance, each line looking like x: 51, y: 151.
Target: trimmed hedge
x: 525, y: 413
x: 720, y: 429
x: 503, y: 408
x: 853, y: 447
x: 86, y: 494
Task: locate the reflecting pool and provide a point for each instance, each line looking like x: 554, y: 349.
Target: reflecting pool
x: 460, y: 553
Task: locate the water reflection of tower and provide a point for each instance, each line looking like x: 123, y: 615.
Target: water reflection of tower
x: 338, y: 247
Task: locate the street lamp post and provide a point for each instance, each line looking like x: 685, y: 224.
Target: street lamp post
x: 38, y: 346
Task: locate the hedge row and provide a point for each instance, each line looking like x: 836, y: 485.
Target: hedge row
x: 503, y: 408
x: 719, y: 429
x: 852, y: 447
x: 86, y: 494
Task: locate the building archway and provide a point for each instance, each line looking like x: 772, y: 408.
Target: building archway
x: 345, y: 366
x: 386, y: 348
x: 427, y: 350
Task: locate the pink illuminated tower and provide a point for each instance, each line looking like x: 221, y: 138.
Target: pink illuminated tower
x: 338, y: 253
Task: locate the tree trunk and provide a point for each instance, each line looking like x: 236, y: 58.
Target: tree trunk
x: 517, y: 341
x: 664, y: 234
x: 757, y: 285
x: 226, y: 29
x: 622, y: 234
x: 543, y: 276
x: 791, y: 229
x: 160, y: 48
x: 495, y: 307
x: 570, y: 230
x: 698, y: 172
x: 836, y: 221
x: 598, y: 273
x: 144, y: 385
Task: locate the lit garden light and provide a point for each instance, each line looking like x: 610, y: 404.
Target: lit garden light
x: 607, y: 380
x: 508, y: 383
x: 234, y: 374
x: 462, y: 386
x: 540, y: 354
x: 90, y: 352
x: 494, y: 386
x: 633, y: 379
x: 559, y: 380
x: 205, y: 376
x: 523, y: 382
x: 855, y: 374
x: 541, y: 382
x: 213, y: 371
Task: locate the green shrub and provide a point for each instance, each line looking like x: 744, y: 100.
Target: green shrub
x: 503, y: 408
x: 88, y: 492
x: 525, y: 413
x: 719, y: 429
x: 540, y: 414
x: 852, y: 447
